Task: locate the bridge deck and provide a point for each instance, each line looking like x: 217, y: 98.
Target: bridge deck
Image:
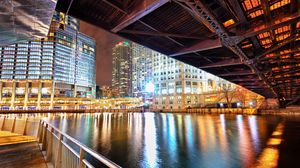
x: 20, y: 151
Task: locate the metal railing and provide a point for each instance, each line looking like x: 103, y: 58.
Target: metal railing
x: 58, y: 151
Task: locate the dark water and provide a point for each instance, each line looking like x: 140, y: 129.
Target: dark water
x: 172, y: 140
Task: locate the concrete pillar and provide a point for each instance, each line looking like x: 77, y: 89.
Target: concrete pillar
x: 26, y: 95
x: 52, y: 95
x: 39, y: 94
x: 13, y: 94
x: 1, y: 87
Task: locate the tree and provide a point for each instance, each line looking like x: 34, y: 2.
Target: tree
x: 228, y: 93
x: 241, y: 95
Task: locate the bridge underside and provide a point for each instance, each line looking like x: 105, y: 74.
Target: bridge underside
x: 253, y: 43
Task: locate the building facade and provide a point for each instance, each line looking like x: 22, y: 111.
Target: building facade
x: 36, y: 73
x: 122, y: 69
x: 178, y: 85
x: 141, y: 69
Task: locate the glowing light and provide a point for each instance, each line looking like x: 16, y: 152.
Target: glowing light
x: 229, y: 23
x: 149, y: 87
x: 44, y: 90
x: 270, y: 155
x: 150, y: 142
x: 239, y: 104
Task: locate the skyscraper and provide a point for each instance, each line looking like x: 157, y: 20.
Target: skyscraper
x: 35, y: 73
x: 179, y: 85
x: 141, y: 69
x: 122, y: 69
x: 176, y: 85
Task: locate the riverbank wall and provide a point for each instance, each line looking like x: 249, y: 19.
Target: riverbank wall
x: 246, y: 111
x: 72, y: 111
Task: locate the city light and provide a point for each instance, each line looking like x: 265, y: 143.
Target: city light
x: 149, y: 87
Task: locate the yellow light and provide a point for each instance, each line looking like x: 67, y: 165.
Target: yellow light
x: 274, y: 141
x: 229, y: 23
x: 279, y: 4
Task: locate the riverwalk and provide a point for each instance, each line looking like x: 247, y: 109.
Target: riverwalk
x: 32, y: 142
x: 20, y: 151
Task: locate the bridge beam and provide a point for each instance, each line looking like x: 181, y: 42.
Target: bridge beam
x: 237, y: 73
x: 143, y: 8
x: 223, y: 64
x: 274, y: 24
x: 244, y: 80
x: 160, y: 34
x: 201, y: 46
x: 204, y: 15
x: 275, y: 47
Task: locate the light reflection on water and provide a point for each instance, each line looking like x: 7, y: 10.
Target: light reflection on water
x: 171, y: 140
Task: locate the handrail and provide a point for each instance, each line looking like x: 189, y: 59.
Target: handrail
x: 83, y: 148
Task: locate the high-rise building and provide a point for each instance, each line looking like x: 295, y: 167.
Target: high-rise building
x: 176, y: 85
x: 122, y: 69
x: 34, y: 74
x: 141, y: 69
x: 179, y: 85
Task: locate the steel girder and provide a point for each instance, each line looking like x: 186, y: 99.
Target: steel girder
x: 205, y: 16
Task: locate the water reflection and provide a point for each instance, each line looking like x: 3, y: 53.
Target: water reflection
x: 172, y: 140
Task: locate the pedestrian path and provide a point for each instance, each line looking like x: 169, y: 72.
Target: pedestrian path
x: 20, y: 151
x: 7, y: 138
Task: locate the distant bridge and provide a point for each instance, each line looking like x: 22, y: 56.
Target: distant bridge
x: 249, y: 42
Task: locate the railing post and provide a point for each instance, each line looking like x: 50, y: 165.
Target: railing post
x: 40, y: 131
x: 24, y: 130
x: 58, y: 156
x: 44, y: 137
x: 3, y: 123
x: 49, y: 146
x: 13, y: 125
x: 81, y: 155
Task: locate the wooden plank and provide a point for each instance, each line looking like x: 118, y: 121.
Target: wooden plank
x: 23, y: 155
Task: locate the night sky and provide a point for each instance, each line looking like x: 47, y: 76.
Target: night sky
x: 105, y: 42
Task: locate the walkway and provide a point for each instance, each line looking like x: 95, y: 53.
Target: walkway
x: 19, y: 151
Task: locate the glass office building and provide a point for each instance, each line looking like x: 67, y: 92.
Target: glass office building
x: 34, y: 74
x: 122, y: 69
x: 178, y: 85
x: 141, y: 69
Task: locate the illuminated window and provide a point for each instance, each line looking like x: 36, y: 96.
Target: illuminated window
x: 282, y: 37
x: 249, y: 4
x: 247, y: 46
x: 282, y: 29
x: 279, y: 4
x: 256, y: 13
x: 264, y: 35
x: 228, y: 23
